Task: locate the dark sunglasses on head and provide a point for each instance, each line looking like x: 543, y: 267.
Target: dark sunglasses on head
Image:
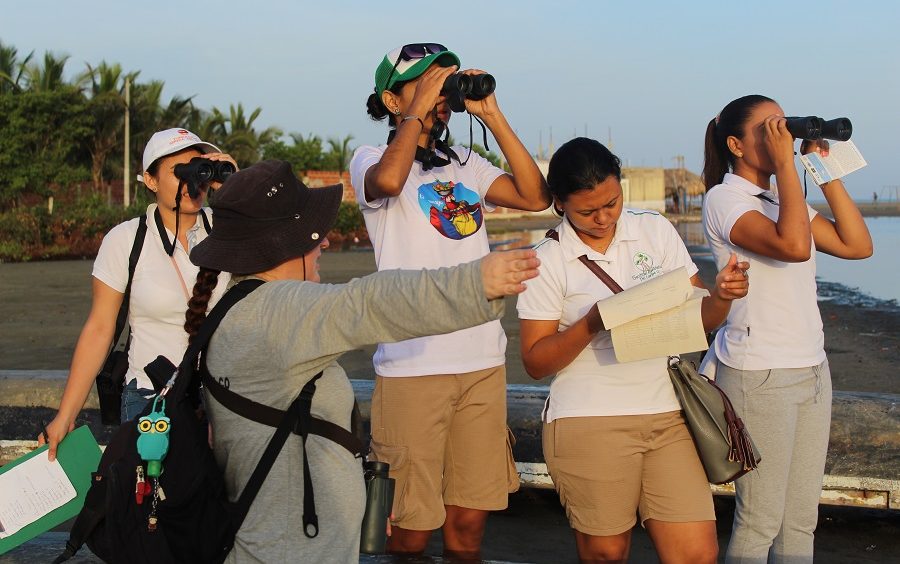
x: 412, y: 52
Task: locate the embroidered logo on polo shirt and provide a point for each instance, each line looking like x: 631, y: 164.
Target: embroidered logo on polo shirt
x: 449, y: 208
x: 645, y: 267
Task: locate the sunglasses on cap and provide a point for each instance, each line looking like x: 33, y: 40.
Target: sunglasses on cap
x: 412, y: 52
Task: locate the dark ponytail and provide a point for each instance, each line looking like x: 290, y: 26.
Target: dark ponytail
x: 376, y: 108
x: 730, y: 122
x: 199, y: 302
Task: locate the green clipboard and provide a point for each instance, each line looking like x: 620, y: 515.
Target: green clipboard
x: 79, y: 456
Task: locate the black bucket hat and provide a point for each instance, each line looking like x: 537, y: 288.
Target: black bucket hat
x: 262, y: 216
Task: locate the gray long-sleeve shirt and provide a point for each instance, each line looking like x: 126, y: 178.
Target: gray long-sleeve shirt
x: 271, y: 344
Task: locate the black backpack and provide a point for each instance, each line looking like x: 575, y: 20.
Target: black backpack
x: 188, y: 518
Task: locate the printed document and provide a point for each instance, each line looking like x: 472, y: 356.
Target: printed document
x: 31, y: 490
x: 660, y: 317
x: 653, y: 296
x: 674, y: 331
x: 843, y: 158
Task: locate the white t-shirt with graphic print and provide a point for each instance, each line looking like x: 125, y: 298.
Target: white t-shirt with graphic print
x: 436, y: 221
x: 645, y: 245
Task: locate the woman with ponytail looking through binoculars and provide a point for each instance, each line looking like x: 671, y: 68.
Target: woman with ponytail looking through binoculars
x: 424, y: 208
x: 770, y: 353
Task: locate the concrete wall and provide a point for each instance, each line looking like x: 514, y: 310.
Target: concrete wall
x: 644, y: 188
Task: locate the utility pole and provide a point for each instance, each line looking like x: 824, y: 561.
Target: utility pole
x: 126, y: 181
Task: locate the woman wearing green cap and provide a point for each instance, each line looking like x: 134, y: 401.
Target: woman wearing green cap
x: 439, y: 406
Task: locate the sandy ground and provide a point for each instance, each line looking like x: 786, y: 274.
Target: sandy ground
x: 44, y: 304
x: 42, y: 307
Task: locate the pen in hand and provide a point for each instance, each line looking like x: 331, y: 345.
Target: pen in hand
x: 44, y: 432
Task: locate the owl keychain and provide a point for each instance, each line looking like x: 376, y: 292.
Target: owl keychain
x: 152, y: 446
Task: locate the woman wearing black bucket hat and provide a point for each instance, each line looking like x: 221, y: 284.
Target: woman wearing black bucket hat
x: 269, y: 226
x: 424, y: 208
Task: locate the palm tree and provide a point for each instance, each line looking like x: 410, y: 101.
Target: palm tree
x: 11, y: 69
x: 46, y: 77
x: 148, y: 115
x: 107, y: 106
x: 340, y: 153
x: 236, y: 135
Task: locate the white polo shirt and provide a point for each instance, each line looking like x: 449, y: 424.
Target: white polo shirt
x: 777, y: 325
x: 645, y: 245
x: 158, y: 303
x: 436, y: 221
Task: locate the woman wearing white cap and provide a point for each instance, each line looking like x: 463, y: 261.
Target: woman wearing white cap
x: 158, y: 293
x: 439, y: 406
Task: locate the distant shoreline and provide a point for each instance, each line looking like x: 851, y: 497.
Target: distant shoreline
x: 523, y: 222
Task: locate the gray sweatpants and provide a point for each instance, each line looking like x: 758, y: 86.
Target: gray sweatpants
x: 788, y: 414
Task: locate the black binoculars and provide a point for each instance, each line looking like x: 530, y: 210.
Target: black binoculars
x: 202, y: 171
x: 460, y: 86
x: 813, y: 128
x: 379, y: 500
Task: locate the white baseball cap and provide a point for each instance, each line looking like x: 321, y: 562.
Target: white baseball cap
x: 171, y: 141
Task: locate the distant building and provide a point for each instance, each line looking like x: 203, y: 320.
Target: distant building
x: 320, y: 178
x: 644, y: 188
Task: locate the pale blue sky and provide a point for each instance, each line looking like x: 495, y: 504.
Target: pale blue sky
x: 653, y: 73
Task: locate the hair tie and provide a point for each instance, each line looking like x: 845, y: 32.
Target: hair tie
x: 717, y: 118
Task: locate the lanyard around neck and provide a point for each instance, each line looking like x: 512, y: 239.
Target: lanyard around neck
x: 169, y: 246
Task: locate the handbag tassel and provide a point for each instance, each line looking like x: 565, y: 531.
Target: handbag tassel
x: 741, y: 448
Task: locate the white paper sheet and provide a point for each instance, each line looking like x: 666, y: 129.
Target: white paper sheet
x: 31, y: 490
x: 843, y: 158
x: 653, y: 296
x: 674, y: 331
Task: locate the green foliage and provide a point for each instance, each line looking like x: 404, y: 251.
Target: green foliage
x: 73, y: 230
x: 349, y: 219
x: 57, y: 134
x: 43, y: 136
x: 339, y: 154
x: 304, y: 154
x: 489, y: 155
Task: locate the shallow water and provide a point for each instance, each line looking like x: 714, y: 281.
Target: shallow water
x: 872, y: 282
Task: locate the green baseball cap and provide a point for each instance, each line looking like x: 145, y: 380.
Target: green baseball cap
x: 410, y: 61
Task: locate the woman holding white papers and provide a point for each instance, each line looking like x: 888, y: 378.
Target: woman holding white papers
x: 614, y: 438
x: 771, y: 355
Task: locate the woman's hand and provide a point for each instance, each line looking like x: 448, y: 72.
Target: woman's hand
x: 56, y: 432
x: 503, y: 273
x: 484, y: 108
x: 779, y: 142
x: 220, y: 157
x: 732, y: 282
x: 428, y: 90
x: 820, y: 146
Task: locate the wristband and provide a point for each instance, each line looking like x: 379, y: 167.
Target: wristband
x: 410, y: 117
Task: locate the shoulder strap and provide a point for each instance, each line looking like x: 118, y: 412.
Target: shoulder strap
x: 271, y: 417
x: 122, y: 317
x: 762, y: 196
x: 592, y: 266
x: 205, y: 219
x: 299, y: 407
x: 189, y: 362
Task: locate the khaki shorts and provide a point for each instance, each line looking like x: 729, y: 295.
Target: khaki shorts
x: 605, y: 468
x: 446, y: 440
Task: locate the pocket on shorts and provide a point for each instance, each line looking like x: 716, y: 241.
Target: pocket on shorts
x: 512, y: 475
x: 754, y: 381
x: 398, y: 458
